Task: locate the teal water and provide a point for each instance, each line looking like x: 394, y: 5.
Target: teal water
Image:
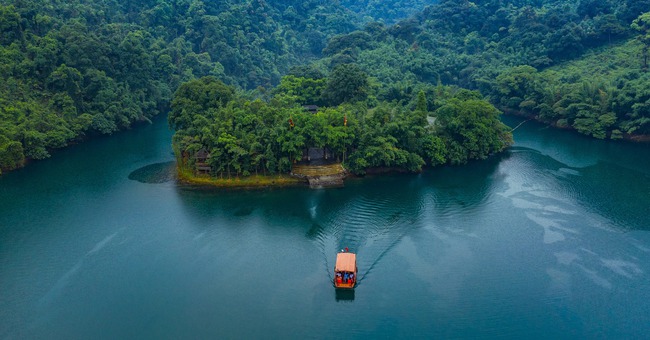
x: 548, y: 240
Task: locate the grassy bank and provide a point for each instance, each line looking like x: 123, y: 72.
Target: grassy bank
x: 254, y: 181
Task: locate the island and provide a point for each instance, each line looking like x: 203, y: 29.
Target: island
x: 223, y: 137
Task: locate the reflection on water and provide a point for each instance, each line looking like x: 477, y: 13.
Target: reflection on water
x: 570, y: 204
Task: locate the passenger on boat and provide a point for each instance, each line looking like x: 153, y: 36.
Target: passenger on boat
x: 345, y: 277
x: 351, y: 278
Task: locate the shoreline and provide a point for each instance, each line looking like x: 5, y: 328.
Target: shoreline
x: 186, y: 177
x: 251, y: 182
x: 83, y: 138
x: 625, y: 137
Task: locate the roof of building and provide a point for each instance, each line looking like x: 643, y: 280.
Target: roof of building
x: 203, y: 153
x: 346, y: 262
x: 310, y: 108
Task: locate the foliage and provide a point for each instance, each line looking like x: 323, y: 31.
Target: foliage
x: 472, y: 129
x: 74, y: 69
x: 346, y: 83
x: 515, y: 52
x: 245, y: 137
x: 605, y: 94
x: 302, y: 90
x: 642, y: 25
x: 385, y: 11
x: 70, y: 70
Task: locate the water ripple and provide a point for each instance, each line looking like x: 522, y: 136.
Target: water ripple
x: 368, y: 225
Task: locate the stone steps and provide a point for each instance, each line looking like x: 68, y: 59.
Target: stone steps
x: 321, y: 176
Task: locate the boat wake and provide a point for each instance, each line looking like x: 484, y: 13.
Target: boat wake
x: 368, y: 226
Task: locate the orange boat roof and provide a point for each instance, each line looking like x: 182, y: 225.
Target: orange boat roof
x: 346, y: 262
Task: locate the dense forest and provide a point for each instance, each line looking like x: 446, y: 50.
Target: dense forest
x: 73, y: 69
x: 76, y: 69
x: 503, y: 49
x: 244, y: 136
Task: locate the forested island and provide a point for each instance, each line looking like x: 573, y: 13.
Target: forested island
x: 397, y: 83
x: 240, y: 136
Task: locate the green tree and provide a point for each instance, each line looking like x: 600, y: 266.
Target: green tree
x: 66, y: 79
x: 346, y: 83
x: 305, y: 91
x: 197, y: 96
x: 9, y: 24
x: 642, y: 25
x: 610, y: 26
x: 517, y: 85
x: 11, y: 154
x: 473, y: 129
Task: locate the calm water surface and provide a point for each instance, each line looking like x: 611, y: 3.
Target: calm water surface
x: 550, y: 240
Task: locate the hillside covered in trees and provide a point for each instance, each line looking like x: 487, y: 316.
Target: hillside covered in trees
x: 76, y: 69
x: 503, y: 49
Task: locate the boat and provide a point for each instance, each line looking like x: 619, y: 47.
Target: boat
x: 345, y: 271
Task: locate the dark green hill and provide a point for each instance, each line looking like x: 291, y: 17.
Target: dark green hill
x: 498, y: 47
x: 603, y: 94
x: 77, y: 68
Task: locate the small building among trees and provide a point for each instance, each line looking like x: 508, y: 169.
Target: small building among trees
x: 311, y: 108
x: 201, y: 160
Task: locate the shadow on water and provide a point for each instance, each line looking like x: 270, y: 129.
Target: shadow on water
x: 346, y: 295
x: 155, y: 173
x: 278, y: 207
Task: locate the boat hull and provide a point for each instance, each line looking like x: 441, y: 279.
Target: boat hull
x: 344, y: 285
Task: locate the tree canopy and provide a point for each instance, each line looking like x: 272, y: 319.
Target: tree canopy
x: 515, y: 53
x: 72, y: 70
x: 245, y: 136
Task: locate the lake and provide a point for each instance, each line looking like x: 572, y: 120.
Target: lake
x: 550, y: 239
